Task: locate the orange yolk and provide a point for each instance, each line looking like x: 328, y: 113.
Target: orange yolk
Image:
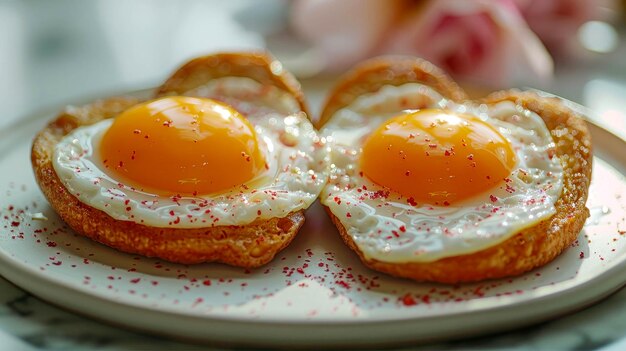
x: 437, y: 157
x: 182, y: 145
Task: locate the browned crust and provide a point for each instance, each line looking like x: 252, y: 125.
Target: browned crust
x: 249, y: 245
x: 371, y: 75
x: 259, y: 66
x: 532, y: 247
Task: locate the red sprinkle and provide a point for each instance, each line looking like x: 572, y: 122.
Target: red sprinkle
x: 343, y: 284
x: 408, y: 300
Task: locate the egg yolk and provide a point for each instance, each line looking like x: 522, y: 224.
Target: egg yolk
x: 182, y: 145
x: 436, y: 156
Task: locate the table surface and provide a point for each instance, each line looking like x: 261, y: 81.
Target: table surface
x: 52, y: 53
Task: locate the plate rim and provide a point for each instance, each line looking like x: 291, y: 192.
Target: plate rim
x: 616, y: 268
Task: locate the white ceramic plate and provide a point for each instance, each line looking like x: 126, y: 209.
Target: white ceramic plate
x: 315, y: 293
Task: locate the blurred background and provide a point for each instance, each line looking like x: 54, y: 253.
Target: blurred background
x: 55, y: 52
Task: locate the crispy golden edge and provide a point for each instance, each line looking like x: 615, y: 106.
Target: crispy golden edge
x: 534, y: 246
x: 250, y: 245
x: 260, y: 66
x: 371, y: 75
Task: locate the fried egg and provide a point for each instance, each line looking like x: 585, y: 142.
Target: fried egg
x: 227, y: 153
x: 416, y: 177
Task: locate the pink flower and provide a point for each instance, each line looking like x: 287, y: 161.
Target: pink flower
x: 483, y: 41
x: 345, y: 31
x: 557, y: 21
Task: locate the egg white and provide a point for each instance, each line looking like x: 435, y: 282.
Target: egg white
x: 386, y: 227
x: 296, y: 155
